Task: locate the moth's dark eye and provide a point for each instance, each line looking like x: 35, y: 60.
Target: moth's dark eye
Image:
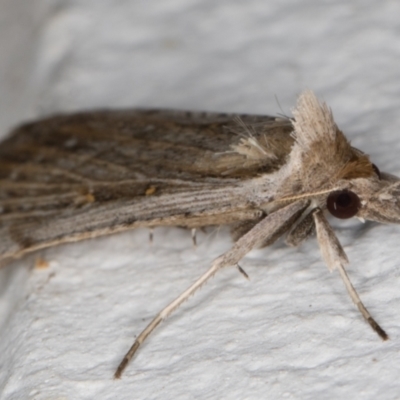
x: 343, y: 204
x: 376, y: 170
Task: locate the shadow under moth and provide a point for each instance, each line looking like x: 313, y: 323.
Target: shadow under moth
x: 73, y: 177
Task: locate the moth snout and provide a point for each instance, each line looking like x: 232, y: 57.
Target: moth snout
x: 383, y: 206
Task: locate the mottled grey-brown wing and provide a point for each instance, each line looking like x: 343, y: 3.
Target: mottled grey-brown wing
x: 77, y: 176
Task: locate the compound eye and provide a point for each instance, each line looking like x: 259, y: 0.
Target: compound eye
x: 343, y: 204
x: 376, y: 170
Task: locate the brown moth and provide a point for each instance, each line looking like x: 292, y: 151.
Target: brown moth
x: 74, y: 177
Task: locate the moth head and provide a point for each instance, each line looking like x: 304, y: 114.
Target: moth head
x: 371, y: 199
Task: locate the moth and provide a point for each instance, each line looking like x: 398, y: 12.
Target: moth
x: 73, y: 177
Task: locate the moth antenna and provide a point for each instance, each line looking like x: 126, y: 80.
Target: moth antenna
x: 265, y: 229
x: 306, y: 195
x: 243, y: 272
x: 335, y: 257
x: 194, y: 240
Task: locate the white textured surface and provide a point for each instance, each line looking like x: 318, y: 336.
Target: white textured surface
x: 291, y: 331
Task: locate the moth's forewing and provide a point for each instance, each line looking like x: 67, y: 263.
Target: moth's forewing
x: 73, y: 177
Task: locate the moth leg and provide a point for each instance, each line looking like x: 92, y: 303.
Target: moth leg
x: 163, y: 314
x: 265, y: 229
x: 243, y: 272
x: 335, y: 257
x: 357, y: 301
x: 151, y: 235
x: 240, y: 228
x: 301, y: 231
x: 194, y: 240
